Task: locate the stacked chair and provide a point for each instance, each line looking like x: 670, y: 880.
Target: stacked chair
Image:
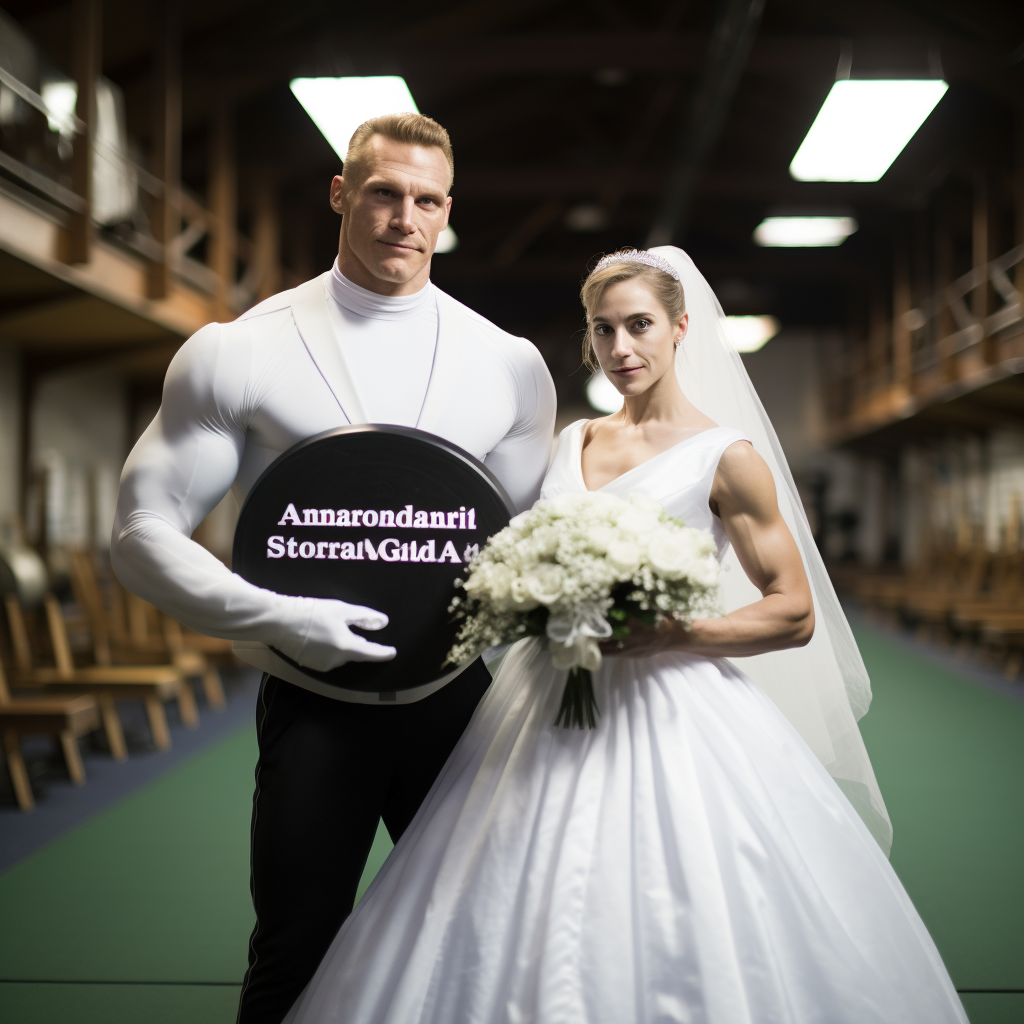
x: 64, y: 717
x: 130, y: 630
x: 963, y: 594
x: 995, y: 621
x: 67, y: 676
x: 154, y: 684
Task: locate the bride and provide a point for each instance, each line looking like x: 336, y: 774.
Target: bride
x: 708, y: 853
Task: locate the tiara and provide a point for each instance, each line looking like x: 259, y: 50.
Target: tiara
x: 648, y: 259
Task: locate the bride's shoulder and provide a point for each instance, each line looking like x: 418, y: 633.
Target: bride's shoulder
x: 570, y: 430
x: 741, y: 471
x: 567, y: 436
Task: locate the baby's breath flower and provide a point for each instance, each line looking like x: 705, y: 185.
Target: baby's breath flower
x: 570, y: 553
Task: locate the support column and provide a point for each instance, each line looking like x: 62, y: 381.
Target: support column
x: 86, y: 63
x: 981, y: 253
x: 878, y: 337
x: 266, y: 235
x: 901, y: 306
x: 943, y: 276
x: 166, y: 142
x: 222, y: 200
x: 1018, y: 195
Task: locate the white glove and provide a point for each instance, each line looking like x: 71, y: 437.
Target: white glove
x: 325, y: 640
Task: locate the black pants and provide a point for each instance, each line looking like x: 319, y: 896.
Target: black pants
x: 327, y: 771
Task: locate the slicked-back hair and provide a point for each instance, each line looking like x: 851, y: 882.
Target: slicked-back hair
x: 413, y: 129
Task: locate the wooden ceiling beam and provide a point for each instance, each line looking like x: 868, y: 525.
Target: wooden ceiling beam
x: 568, y: 181
x: 763, y: 265
x: 801, y: 56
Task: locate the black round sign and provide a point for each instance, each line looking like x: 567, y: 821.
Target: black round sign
x: 380, y: 516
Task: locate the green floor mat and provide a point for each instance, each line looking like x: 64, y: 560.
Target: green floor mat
x: 949, y: 756
x: 117, y: 1004
x: 156, y: 888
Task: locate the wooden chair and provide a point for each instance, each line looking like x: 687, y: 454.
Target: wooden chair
x: 1004, y: 597
x: 1004, y: 632
x: 137, y: 633
x: 931, y: 608
x: 889, y: 594
x: 64, y: 718
x: 152, y: 684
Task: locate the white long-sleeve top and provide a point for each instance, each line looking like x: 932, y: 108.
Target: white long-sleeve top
x: 237, y: 395
x: 380, y: 331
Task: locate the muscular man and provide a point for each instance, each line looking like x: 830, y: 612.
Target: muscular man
x: 372, y: 340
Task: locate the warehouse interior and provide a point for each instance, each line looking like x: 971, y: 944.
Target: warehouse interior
x: 158, y: 173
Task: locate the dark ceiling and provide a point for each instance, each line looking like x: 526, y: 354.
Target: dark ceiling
x: 554, y: 104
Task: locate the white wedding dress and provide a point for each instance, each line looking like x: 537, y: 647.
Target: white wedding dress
x: 689, y: 860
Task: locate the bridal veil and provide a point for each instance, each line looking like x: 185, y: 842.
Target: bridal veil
x: 822, y: 688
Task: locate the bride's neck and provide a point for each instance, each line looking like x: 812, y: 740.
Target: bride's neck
x: 663, y: 402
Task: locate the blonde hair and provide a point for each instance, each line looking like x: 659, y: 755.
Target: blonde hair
x: 667, y: 290
x: 414, y: 129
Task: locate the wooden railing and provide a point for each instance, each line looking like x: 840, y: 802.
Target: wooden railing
x: 166, y: 223
x: 946, y: 343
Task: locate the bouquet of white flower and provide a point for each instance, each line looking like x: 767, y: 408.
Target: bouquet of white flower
x: 567, y: 566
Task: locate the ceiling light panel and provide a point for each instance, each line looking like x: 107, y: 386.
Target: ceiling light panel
x: 862, y: 127
x: 750, y: 333
x: 338, y: 106
x: 802, y: 232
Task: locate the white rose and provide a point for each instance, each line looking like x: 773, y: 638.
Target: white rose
x: 624, y: 555
x: 600, y: 537
x: 672, y: 555
x: 494, y: 580
x: 519, y: 592
x: 635, y: 523
x: 705, y: 571
x: 521, y: 556
x: 544, y: 582
x: 545, y: 540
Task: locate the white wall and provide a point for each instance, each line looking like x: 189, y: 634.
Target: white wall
x: 787, y: 376
x: 79, y: 439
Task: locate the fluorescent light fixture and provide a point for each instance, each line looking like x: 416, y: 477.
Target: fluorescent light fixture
x: 338, y: 106
x: 750, y: 333
x: 863, y: 126
x: 447, y: 240
x: 602, y: 394
x: 793, y: 232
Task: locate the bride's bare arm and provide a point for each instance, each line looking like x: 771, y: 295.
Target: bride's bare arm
x: 743, y: 496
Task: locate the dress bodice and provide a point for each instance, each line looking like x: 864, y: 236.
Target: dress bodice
x: 679, y: 478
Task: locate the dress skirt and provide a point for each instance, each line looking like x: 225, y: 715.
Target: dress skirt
x: 689, y: 860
